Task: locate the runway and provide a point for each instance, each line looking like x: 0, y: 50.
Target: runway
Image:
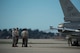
x: 40, y: 46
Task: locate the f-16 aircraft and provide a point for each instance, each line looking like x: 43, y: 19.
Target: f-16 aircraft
x: 72, y: 22
x: 71, y: 26
x: 71, y: 16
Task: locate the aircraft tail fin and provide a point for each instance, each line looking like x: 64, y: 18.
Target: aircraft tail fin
x: 69, y: 9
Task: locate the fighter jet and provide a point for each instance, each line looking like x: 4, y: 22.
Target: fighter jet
x: 71, y: 26
x: 71, y: 17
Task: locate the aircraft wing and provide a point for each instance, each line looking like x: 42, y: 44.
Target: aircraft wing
x: 65, y: 29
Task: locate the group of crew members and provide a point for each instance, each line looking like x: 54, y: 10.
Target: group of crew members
x: 15, y: 37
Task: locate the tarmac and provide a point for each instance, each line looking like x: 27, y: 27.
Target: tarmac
x: 39, y: 46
